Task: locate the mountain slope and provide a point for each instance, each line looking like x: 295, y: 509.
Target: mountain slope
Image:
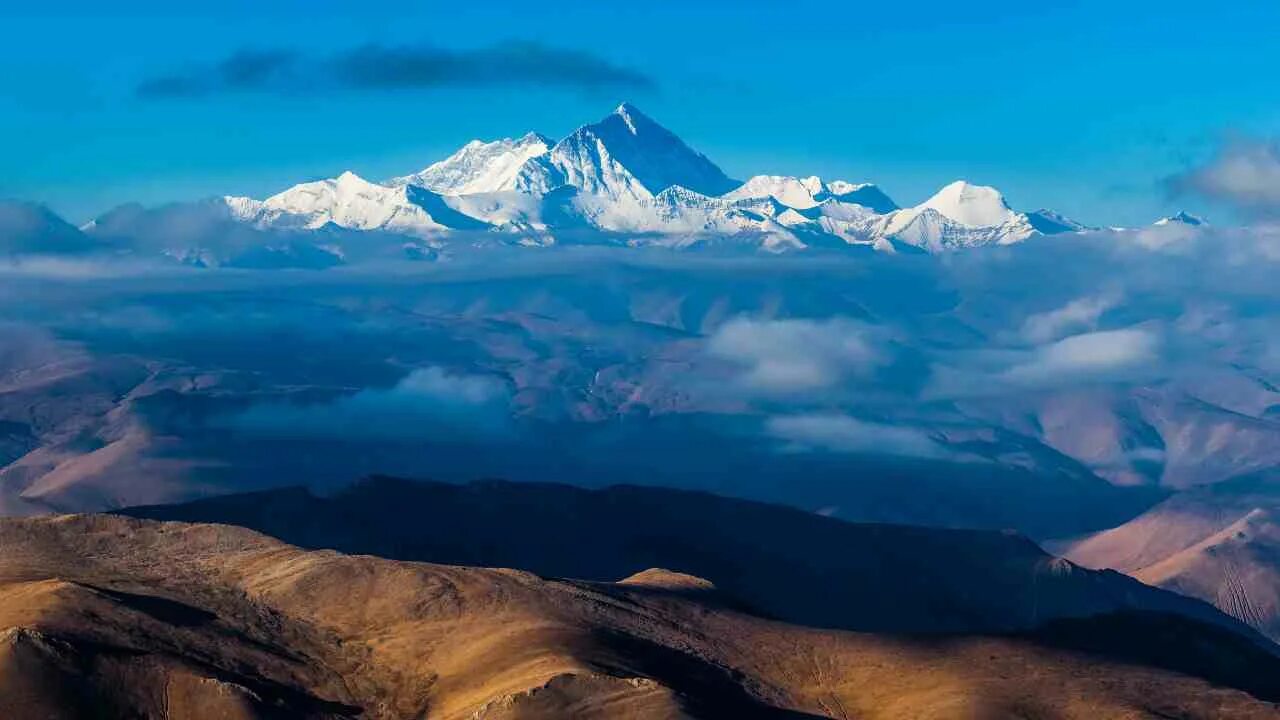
x: 957, y: 216
x: 788, y: 564
x: 109, y: 617
x: 624, y: 154
x: 798, y: 193
x: 479, y: 167
x: 349, y: 201
x: 1220, y: 544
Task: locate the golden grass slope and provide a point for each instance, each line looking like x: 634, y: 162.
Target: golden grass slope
x: 115, y: 617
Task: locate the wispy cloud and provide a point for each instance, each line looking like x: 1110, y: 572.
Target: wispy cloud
x: 430, y: 403
x: 1079, y: 313
x: 1244, y: 174
x: 1101, y: 356
x: 1086, y: 356
x: 844, y: 434
x: 379, y: 67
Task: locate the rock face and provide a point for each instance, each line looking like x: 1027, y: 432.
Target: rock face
x: 1220, y: 544
x: 119, y: 618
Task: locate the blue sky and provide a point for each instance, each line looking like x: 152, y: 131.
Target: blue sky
x: 1084, y: 107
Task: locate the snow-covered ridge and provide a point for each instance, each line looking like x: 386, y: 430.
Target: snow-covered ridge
x: 1182, y: 218
x: 479, y: 167
x: 630, y: 180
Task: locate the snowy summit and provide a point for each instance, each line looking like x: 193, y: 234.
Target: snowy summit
x: 627, y: 179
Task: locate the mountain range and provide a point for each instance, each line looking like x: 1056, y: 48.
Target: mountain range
x: 781, y: 562
x: 627, y: 174
x: 116, y: 617
x: 623, y: 181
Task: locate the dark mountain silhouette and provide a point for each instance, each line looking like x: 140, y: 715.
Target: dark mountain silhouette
x: 780, y: 562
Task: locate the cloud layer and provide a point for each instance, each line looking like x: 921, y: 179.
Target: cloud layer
x: 379, y: 67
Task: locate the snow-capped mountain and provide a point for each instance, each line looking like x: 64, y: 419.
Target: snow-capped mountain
x: 798, y: 193
x: 624, y: 155
x: 1182, y: 218
x: 868, y: 195
x: 809, y: 192
x: 629, y: 180
x: 1048, y: 222
x: 349, y: 201
x: 959, y: 215
x: 479, y: 167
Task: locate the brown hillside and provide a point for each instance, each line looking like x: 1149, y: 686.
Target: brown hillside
x: 116, y: 617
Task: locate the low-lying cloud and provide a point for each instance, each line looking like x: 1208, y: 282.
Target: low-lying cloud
x: 845, y: 434
x: 1100, y: 356
x: 790, y: 356
x: 380, y: 67
x: 1086, y: 356
x: 429, y: 404
x: 1079, y: 313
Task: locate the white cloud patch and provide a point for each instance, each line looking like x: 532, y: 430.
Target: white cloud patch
x: 789, y: 356
x: 1079, y: 313
x: 1245, y: 174
x: 430, y: 403
x: 844, y: 434
x: 1089, y: 355
x: 1129, y: 354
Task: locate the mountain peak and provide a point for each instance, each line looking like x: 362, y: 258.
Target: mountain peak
x: 868, y: 195
x: 1183, y: 218
x: 1049, y: 222
x: 969, y: 204
x: 800, y: 193
x: 637, y: 122
x: 534, y: 138
x: 348, y: 180
x: 480, y: 166
x: 627, y: 140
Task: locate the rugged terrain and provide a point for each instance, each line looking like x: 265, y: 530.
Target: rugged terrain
x: 784, y: 563
x: 116, y: 617
x: 1220, y: 544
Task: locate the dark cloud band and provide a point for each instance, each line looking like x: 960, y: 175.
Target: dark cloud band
x: 377, y: 67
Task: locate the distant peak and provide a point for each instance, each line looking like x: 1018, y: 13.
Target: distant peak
x: 350, y: 181
x: 1183, y: 218
x: 966, y: 188
x: 636, y: 121
x: 964, y: 191
x: 533, y: 138
x: 969, y: 204
x: 629, y: 115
